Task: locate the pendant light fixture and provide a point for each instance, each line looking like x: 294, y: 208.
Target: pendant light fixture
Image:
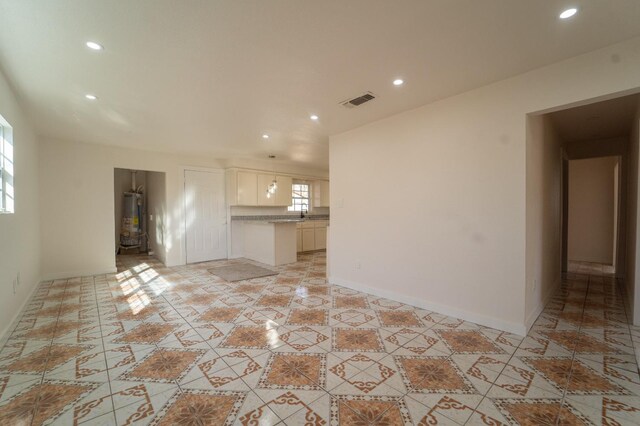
x: 273, y: 186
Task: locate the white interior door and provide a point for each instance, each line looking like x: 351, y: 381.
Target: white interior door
x: 206, y: 216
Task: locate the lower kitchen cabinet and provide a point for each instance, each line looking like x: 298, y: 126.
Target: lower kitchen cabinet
x: 308, y: 239
x: 312, y: 235
x: 320, y: 238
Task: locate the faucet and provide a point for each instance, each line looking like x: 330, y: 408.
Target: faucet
x: 302, y: 212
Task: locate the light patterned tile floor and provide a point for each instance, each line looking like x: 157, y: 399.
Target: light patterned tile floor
x: 581, y: 267
x: 157, y: 345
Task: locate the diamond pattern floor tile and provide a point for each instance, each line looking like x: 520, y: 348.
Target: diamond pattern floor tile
x: 157, y: 345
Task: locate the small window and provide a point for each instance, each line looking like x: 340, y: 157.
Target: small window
x: 300, y: 197
x: 7, y: 194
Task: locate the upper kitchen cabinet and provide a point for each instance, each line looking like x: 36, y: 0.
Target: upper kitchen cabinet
x: 263, y: 183
x: 246, y: 188
x: 284, y: 193
x: 321, y: 193
x: 282, y: 196
x: 242, y: 188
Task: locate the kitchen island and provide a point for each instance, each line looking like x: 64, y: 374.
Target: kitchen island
x: 268, y: 241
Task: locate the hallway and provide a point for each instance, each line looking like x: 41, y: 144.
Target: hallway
x: 157, y: 345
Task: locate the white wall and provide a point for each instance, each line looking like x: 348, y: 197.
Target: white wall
x: 544, y: 214
x: 438, y: 193
x: 77, y: 187
x: 157, y: 207
x: 19, y: 232
x: 592, y: 209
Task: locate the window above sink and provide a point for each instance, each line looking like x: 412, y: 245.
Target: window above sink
x: 300, y: 198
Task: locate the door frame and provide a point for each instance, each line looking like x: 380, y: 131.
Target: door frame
x: 565, y: 212
x: 183, y: 239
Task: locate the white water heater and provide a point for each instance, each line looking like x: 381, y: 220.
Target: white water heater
x: 131, y: 231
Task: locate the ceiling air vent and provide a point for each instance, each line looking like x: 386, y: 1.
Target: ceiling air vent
x: 358, y: 100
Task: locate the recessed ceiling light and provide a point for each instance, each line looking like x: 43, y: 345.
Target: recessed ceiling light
x: 265, y: 136
x: 91, y: 97
x: 398, y: 82
x: 314, y: 117
x: 568, y: 13
x: 94, y: 46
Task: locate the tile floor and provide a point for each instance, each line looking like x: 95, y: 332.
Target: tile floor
x: 169, y: 346
x: 590, y: 268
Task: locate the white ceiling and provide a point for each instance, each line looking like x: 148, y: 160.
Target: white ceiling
x: 210, y: 77
x: 599, y: 120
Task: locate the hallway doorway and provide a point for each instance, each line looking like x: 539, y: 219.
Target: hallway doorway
x: 599, y: 144
x: 582, y: 198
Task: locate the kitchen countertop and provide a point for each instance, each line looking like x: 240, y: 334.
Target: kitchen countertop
x: 274, y: 221
x: 273, y: 218
x: 278, y: 221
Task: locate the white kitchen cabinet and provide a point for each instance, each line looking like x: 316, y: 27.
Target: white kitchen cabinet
x: 247, y: 189
x: 263, y: 183
x: 320, y: 238
x: 312, y: 235
x: 321, y: 194
x: 299, y: 240
x: 308, y: 239
x: 284, y: 193
x: 273, y: 243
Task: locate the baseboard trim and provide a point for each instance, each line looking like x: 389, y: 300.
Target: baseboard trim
x: 510, y: 327
x: 80, y: 273
x: 4, y: 334
x: 533, y: 316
